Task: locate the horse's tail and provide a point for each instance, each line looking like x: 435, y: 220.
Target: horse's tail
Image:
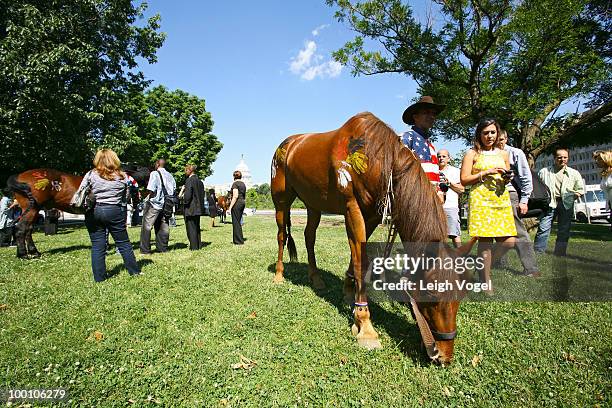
x: 24, y: 189
x: 290, y: 242
x: 21, y: 188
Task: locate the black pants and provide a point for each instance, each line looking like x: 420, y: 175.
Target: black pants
x: 5, y: 236
x: 237, y: 211
x: 192, y: 224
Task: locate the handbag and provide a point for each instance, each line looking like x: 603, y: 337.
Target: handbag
x: 170, y: 200
x: 84, y: 199
x: 538, y: 200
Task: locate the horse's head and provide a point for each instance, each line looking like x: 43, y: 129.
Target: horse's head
x: 139, y: 173
x: 439, y: 302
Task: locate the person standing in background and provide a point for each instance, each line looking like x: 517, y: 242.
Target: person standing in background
x: 565, y: 185
x: 236, y: 207
x: 422, y: 116
x: 7, y: 203
x: 451, y: 177
x: 153, y: 216
x: 486, y: 168
x: 194, y: 202
x: 212, y: 206
x: 520, y: 188
x: 109, y: 185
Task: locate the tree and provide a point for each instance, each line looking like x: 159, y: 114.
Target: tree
x: 66, y: 69
x: 174, y: 125
x: 518, y: 61
x: 263, y: 189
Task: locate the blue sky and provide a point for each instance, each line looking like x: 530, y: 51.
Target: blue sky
x: 265, y: 71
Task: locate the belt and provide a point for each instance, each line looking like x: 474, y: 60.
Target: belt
x: 107, y: 205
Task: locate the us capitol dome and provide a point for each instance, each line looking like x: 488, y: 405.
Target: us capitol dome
x: 246, y: 173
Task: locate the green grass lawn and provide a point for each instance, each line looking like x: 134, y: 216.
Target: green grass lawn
x: 171, y: 337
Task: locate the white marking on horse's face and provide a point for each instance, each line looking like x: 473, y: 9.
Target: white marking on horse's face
x: 344, y: 177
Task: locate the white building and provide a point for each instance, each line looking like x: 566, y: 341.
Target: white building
x: 222, y: 189
x: 581, y: 159
x: 246, y: 173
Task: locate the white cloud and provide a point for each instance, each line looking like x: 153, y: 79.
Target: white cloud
x: 304, y: 58
x: 309, y: 65
x: 317, y: 30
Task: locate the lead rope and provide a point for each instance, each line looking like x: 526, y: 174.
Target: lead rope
x: 391, y: 234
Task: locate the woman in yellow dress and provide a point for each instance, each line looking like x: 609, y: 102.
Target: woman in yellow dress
x: 486, y: 169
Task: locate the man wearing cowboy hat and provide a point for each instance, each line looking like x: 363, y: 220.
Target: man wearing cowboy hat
x: 422, y: 115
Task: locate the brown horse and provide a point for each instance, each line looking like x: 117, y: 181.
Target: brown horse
x: 45, y: 189
x: 223, y: 204
x: 346, y: 172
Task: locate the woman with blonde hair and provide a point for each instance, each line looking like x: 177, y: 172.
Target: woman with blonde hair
x: 110, y: 186
x: 603, y: 158
x: 487, y: 169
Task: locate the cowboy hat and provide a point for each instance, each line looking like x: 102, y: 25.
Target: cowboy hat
x: 423, y: 103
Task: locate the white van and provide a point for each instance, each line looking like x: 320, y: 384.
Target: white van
x: 592, y: 205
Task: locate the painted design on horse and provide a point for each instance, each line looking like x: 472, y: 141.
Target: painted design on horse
x: 279, y: 156
x: 39, y: 189
x: 317, y: 171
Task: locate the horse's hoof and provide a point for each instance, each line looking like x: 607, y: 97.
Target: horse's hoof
x: 369, y: 344
x: 278, y: 279
x: 34, y: 255
x: 354, y: 330
x: 22, y: 256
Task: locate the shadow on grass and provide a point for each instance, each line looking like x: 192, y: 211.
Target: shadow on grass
x: 598, y: 232
x: 63, y: 250
x: 403, y: 332
x: 177, y: 245
x: 115, y: 271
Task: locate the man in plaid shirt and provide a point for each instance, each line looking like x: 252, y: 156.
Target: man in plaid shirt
x: 422, y: 115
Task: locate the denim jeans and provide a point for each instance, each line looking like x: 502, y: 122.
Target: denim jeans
x: 564, y: 223
x: 111, y: 217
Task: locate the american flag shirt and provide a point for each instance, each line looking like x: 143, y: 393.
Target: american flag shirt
x: 425, y: 152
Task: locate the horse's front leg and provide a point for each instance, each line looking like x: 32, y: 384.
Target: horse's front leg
x: 356, y: 231
x: 349, y: 277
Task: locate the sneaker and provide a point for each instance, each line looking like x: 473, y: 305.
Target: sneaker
x: 531, y: 274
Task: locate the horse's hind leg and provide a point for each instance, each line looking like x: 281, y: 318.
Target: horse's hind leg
x: 280, y: 238
x: 310, y: 235
x: 20, y: 236
x: 32, y: 250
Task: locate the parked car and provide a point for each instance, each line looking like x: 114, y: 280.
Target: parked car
x: 592, y: 205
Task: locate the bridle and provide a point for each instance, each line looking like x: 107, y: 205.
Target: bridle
x: 428, y: 335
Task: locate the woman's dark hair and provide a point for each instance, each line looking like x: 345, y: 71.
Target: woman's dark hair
x: 484, y: 122
x: 237, y: 175
x: 211, y: 191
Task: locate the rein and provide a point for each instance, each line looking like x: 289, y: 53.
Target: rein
x: 428, y: 335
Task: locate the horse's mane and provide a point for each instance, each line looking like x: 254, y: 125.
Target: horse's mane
x: 417, y: 211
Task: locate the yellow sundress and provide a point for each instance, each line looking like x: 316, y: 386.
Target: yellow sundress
x: 490, y: 213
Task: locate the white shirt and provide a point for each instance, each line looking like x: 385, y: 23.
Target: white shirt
x: 453, y: 175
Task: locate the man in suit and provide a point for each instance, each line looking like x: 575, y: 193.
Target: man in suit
x: 194, y: 202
